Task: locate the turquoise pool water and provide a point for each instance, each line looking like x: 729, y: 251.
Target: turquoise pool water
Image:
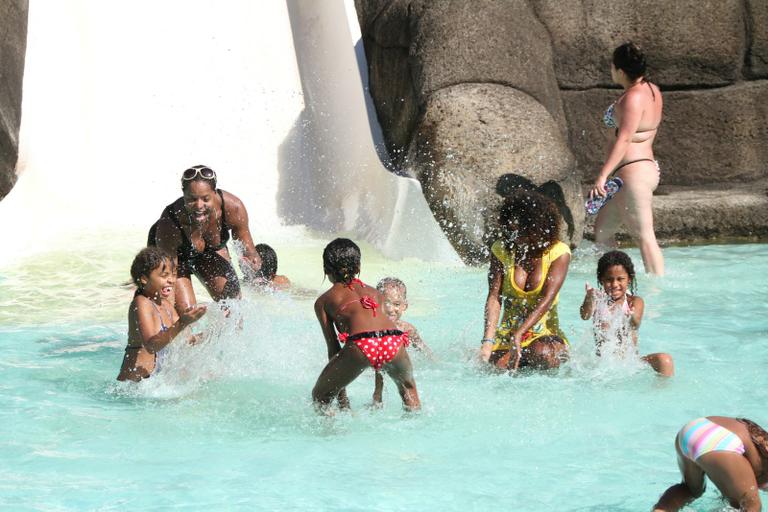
x: 230, y: 427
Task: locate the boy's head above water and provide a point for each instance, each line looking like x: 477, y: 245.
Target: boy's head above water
x: 341, y: 260
x: 152, y: 272
x: 395, y: 297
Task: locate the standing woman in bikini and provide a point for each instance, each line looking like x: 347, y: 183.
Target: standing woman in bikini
x: 635, y: 116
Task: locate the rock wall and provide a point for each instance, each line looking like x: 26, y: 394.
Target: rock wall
x: 463, y: 104
x: 468, y: 91
x: 13, y: 44
x: 709, y: 58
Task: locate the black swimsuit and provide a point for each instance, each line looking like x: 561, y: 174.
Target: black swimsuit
x: 189, y: 259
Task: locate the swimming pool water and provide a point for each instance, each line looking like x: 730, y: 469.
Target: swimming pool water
x: 230, y: 425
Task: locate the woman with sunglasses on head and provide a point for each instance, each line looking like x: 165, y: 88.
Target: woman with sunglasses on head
x: 196, y: 228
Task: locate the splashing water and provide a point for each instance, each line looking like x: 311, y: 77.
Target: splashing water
x: 228, y: 423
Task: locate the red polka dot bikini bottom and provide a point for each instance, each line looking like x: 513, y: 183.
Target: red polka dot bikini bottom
x: 380, y: 347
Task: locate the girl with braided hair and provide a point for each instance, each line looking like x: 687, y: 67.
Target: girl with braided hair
x: 369, y: 337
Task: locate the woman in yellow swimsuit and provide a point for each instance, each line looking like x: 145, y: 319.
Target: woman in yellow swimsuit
x: 528, y: 267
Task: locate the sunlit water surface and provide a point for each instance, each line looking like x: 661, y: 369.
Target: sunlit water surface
x: 229, y: 426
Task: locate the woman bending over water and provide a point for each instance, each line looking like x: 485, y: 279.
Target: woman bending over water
x: 635, y: 116
x: 195, y: 230
x: 528, y: 267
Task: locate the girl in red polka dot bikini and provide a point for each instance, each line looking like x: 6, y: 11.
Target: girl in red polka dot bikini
x: 369, y: 337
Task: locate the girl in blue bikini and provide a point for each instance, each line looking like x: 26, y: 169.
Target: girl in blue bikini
x: 152, y: 321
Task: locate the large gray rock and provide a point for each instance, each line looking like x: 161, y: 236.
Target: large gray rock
x: 757, y: 22
x: 472, y: 135
x: 483, y: 41
x: 706, y: 136
x: 13, y: 44
x: 449, y: 82
x: 688, y: 42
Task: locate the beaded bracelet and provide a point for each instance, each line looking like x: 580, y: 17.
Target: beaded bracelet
x: 487, y: 340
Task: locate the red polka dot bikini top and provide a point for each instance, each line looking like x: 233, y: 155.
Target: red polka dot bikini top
x: 366, y: 301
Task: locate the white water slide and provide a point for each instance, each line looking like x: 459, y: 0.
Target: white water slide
x: 120, y: 97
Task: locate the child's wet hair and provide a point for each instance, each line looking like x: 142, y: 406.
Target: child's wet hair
x: 614, y: 258
x: 147, y: 260
x: 341, y: 260
x: 393, y: 282
x: 268, y: 256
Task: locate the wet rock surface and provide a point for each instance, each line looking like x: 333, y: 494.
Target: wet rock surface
x: 710, y: 60
x: 471, y: 137
x: 13, y: 43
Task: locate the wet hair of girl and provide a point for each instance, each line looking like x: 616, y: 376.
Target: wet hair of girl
x: 613, y: 258
x: 630, y: 59
x: 268, y: 256
x: 147, y: 260
x: 532, y: 216
x: 341, y: 260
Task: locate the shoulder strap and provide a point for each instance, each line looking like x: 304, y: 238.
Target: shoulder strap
x: 224, y: 224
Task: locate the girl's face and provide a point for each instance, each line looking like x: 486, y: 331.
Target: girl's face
x: 615, y: 281
x: 159, y: 283
x: 395, y: 303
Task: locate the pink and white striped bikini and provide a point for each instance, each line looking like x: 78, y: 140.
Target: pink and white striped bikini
x: 701, y: 436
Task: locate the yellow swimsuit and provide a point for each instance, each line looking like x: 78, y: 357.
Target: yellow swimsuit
x: 518, y: 303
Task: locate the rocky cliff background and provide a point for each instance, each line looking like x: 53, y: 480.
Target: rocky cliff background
x: 474, y: 94
x: 13, y: 44
x: 476, y: 97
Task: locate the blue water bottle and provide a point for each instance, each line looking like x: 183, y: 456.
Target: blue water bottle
x: 612, y: 186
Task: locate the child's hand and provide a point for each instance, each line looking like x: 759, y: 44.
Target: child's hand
x: 193, y: 314
x: 590, y: 292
